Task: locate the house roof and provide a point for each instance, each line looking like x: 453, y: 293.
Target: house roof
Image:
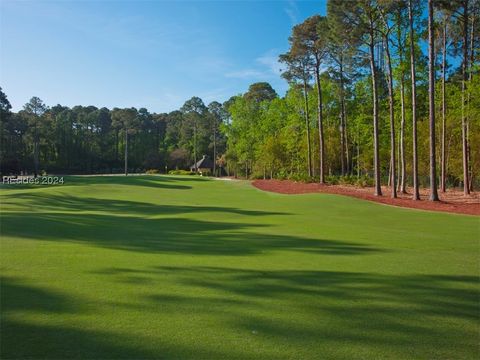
x: 203, y: 163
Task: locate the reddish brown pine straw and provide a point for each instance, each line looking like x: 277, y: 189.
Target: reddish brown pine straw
x: 453, y: 201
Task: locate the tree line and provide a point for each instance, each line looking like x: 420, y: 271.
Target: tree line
x: 380, y: 92
x: 86, y: 139
x: 368, y: 82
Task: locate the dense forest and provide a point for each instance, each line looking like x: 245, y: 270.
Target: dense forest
x: 380, y: 92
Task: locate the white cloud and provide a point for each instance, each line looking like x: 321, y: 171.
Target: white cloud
x: 244, y: 74
x: 292, y: 11
x: 264, y: 67
x: 270, y: 60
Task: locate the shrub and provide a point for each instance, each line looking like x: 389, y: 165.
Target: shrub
x: 331, y: 180
x: 181, y: 172
x: 347, y: 180
x: 364, y: 181
x: 153, y: 171
x: 282, y: 175
x: 301, y: 178
x: 205, y: 172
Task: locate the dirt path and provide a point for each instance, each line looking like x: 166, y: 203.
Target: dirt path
x: 452, y: 201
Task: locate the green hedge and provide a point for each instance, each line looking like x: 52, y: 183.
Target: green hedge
x: 181, y: 172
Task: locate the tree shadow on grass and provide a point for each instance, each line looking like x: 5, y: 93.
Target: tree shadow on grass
x: 263, y: 314
x: 22, y: 339
x: 167, y: 235
x: 16, y: 295
x: 160, y: 182
x: 52, y: 202
x: 334, y: 314
x: 134, y: 180
x: 41, y: 324
x: 130, y: 225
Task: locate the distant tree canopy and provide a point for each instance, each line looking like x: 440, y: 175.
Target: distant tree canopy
x: 91, y: 140
x: 259, y: 92
x: 351, y: 110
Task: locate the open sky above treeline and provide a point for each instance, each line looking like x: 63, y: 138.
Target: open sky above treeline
x: 153, y: 54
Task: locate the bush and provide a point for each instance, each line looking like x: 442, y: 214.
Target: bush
x: 331, y: 180
x: 365, y: 181
x: 205, y: 172
x: 255, y: 176
x: 301, y: 178
x: 153, y: 171
x: 347, y: 180
x: 181, y: 172
x: 282, y: 175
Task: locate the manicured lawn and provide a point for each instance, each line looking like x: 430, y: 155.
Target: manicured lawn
x: 187, y: 268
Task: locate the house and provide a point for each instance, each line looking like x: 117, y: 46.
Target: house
x: 204, y: 165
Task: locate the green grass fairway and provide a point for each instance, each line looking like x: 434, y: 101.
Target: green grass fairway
x: 154, y: 267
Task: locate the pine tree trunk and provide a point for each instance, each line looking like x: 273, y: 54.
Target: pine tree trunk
x: 195, y: 144
x: 431, y: 104
x: 309, y: 155
x: 402, y: 178
x: 389, y: 181
x: 392, y: 119
x: 214, y: 151
x: 116, y: 148
x: 444, y: 108
x: 416, y: 193
x: 35, y: 150
x: 358, y: 156
x: 403, y: 163
x: 378, y: 189
x: 320, y: 124
x: 126, y: 152
x: 347, y: 152
x: 399, y: 164
x: 472, y: 55
x: 466, y: 189
x: 343, y: 136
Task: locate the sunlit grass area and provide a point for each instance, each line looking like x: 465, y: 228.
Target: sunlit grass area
x: 151, y: 267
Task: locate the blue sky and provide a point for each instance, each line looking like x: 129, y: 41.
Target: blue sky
x: 153, y: 54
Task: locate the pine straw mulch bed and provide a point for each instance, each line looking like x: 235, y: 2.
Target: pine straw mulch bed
x: 452, y: 201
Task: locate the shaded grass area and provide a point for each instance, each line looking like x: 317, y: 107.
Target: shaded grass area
x: 178, y: 268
